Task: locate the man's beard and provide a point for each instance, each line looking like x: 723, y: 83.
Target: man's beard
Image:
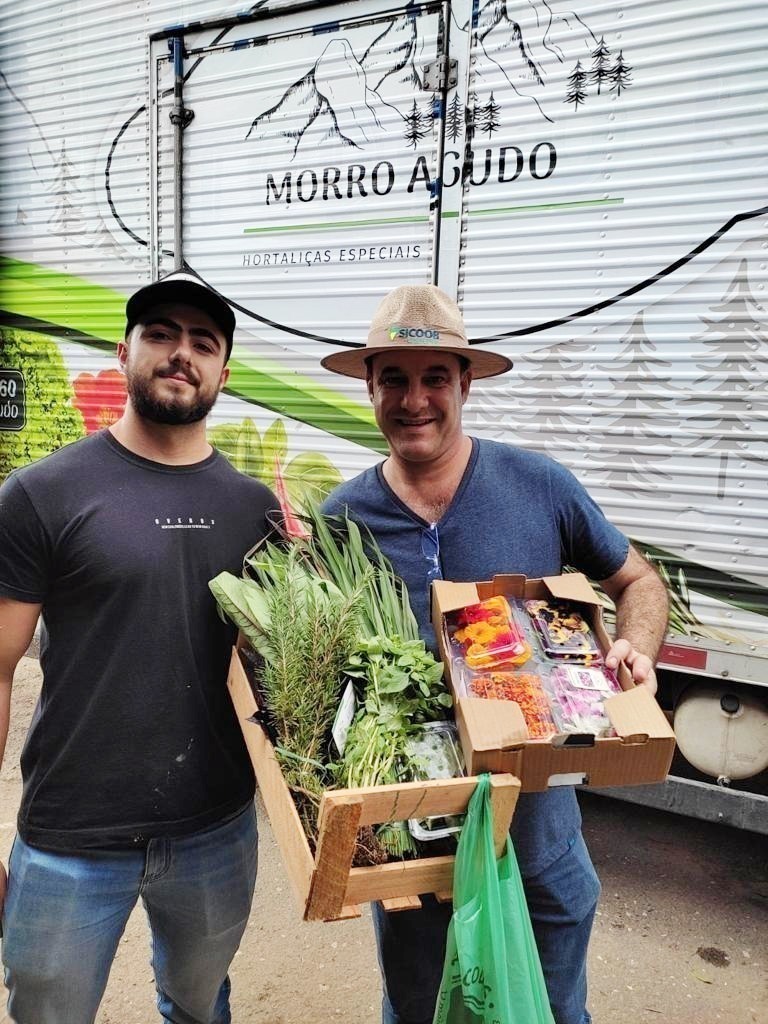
x: 167, y: 411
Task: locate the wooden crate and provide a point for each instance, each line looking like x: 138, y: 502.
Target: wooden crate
x: 326, y: 885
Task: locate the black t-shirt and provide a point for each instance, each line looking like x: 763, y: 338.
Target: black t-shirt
x: 134, y: 735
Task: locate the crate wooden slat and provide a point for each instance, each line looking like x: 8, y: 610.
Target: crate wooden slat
x: 326, y: 885
x: 283, y: 816
x: 403, y: 903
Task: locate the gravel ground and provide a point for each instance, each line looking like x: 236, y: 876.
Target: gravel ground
x: 681, y: 935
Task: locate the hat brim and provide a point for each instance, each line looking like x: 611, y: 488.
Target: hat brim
x: 186, y: 293
x: 352, y: 361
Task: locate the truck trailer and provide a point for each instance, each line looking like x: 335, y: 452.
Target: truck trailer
x: 588, y: 180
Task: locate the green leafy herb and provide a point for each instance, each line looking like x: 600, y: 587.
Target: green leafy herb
x: 319, y: 610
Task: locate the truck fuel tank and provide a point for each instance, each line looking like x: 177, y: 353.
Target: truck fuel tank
x: 722, y: 731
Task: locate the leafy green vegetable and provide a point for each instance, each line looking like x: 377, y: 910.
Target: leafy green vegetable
x: 320, y: 610
x: 338, y: 550
x: 245, y: 605
x: 399, y: 687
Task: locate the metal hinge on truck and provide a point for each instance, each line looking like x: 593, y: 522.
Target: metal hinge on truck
x: 440, y: 74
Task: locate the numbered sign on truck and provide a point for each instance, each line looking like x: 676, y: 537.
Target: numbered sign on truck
x: 12, y: 400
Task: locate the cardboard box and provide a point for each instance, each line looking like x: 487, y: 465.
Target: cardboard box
x: 493, y: 732
x: 325, y: 884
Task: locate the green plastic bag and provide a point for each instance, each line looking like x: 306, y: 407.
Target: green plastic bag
x: 492, y: 973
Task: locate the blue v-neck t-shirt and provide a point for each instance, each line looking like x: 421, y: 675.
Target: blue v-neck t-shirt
x: 515, y: 511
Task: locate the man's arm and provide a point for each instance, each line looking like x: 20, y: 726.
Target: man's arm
x: 642, y: 609
x: 17, y: 627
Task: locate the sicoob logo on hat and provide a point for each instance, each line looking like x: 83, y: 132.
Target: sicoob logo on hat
x: 419, y: 335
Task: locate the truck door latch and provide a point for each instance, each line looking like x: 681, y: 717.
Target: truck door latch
x: 181, y: 115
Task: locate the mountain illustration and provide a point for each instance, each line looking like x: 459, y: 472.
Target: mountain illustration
x: 343, y: 98
x: 337, y: 104
x: 535, y: 47
x: 355, y: 100
x: 498, y: 30
x: 392, y: 61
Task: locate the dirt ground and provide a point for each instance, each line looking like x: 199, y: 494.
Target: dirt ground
x: 681, y: 935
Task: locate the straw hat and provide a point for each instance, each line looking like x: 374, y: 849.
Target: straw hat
x: 419, y: 317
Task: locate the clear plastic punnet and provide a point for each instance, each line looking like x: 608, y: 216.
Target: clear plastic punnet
x: 436, y: 752
x: 487, y: 634
x: 563, y: 632
x: 577, y: 698
x: 525, y: 688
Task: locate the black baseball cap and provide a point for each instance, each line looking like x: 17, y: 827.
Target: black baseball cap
x: 187, y: 288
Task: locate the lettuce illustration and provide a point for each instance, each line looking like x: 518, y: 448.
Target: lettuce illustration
x: 308, y: 477
x: 51, y: 419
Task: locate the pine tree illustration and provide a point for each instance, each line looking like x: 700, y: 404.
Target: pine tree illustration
x: 67, y: 217
x: 548, y: 410
x: 417, y: 125
x: 735, y: 362
x: 455, y: 119
x: 619, y: 75
x: 427, y: 121
x: 100, y: 235
x: 599, y: 72
x: 577, y: 86
x: 636, y: 440
x: 489, y: 117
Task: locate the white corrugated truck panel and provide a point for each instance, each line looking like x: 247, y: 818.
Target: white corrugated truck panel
x: 297, y: 170
x: 611, y: 149
x: 602, y: 218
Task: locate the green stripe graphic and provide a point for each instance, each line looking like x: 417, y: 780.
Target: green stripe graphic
x: 424, y: 218
x: 97, y: 314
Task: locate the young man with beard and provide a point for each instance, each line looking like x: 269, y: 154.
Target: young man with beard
x: 446, y: 505
x: 137, y: 782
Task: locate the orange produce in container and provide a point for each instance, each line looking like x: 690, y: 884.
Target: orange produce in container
x: 488, y: 635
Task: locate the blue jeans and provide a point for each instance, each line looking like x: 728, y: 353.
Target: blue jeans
x: 562, y: 901
x: 64, y: 915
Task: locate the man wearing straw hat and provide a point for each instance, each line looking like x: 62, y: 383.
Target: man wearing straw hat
x: 446, y: 505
